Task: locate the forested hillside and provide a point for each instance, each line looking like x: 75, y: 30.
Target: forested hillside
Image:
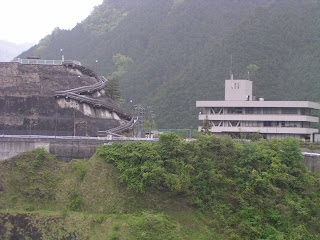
x: 181, y: 50
x: 212, y: 188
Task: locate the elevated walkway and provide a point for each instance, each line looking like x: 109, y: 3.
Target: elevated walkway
x: 75, y: 94
x: 122, y: 128
x: 102, y: 82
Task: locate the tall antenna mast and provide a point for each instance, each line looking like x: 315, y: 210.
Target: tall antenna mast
x: 231, y: 63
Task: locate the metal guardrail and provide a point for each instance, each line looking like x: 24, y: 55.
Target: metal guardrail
x: 91, y: 88
x: 310, y: 154
x: 45, y: 62
x: 128, y: 126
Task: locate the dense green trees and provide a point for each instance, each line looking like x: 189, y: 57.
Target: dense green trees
x: 122, y: 64
x: 113, y: 88
x: 251, y: 190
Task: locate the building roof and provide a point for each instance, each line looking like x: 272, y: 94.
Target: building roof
x: 259, y: 104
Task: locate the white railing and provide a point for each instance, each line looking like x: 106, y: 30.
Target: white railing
x: 45, y: 62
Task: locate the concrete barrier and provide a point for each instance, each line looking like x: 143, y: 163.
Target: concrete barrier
x: 65, y: 148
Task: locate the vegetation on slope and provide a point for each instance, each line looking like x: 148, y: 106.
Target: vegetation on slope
x: 181, y: 50
x: 212, y: 188
x: 43, y: 198
x: 255, y: 190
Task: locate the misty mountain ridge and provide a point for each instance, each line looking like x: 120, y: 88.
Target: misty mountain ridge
x: 9, y: 50
x: 181, y: 50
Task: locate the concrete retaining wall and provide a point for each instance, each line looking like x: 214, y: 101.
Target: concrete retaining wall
x: 63, y: 149
x: 312, y: 163
x: 9, y: 148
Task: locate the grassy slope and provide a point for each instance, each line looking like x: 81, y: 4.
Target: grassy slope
x: 39, y: 201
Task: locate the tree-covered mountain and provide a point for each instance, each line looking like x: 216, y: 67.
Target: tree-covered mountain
x: 181, y: 50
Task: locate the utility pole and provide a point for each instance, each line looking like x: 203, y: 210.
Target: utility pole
x: 74, y: 122
x: 97, y: 67
x: 62, y: 56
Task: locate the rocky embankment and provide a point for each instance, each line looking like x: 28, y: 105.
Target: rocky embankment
x: 28, y: 106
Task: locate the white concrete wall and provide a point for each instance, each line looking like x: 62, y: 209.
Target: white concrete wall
x: 259, y: 117
x: 10, y: 149
x: 238, y: 90
x: 87, y: 109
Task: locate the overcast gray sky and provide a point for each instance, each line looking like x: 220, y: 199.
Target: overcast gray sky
x: 30, y: 20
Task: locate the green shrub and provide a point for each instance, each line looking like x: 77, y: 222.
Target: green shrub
x: 154, y: 226
x: 30, y: 207
x: 81, y: 167
x: 116, y: 227
x: 40, y: 156
x: 114, y: 236
x: 64, y: 213
x: 100, y: 219
x: 76, y: 200
x: 140, y: 164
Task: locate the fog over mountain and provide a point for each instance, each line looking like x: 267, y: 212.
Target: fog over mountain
x: 9, y: 50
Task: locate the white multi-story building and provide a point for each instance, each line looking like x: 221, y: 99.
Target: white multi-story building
x: 241, y: 113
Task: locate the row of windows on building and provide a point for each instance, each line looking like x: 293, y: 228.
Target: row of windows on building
x: 259, y: 124
x: 252, y: 110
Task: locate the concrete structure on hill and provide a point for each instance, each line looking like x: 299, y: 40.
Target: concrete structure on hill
x: 241, y: 113
x: 55, y: 97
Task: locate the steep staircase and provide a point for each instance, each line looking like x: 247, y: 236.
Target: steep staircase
x: 78, y: 95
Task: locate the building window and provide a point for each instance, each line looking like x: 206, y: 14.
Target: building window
x: 305, y: 111
x: 250, y: 124
x: 235, y: 86
x: 293, y: 124
x: 234, y: 110
x: 216, y: 123
x: 270, y: 111
x: 305, y: 124
x: 234, y: 123
x: 267, y: 124
x: 216, y: 110
x: 289, y: 111
x: 249, y: 110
